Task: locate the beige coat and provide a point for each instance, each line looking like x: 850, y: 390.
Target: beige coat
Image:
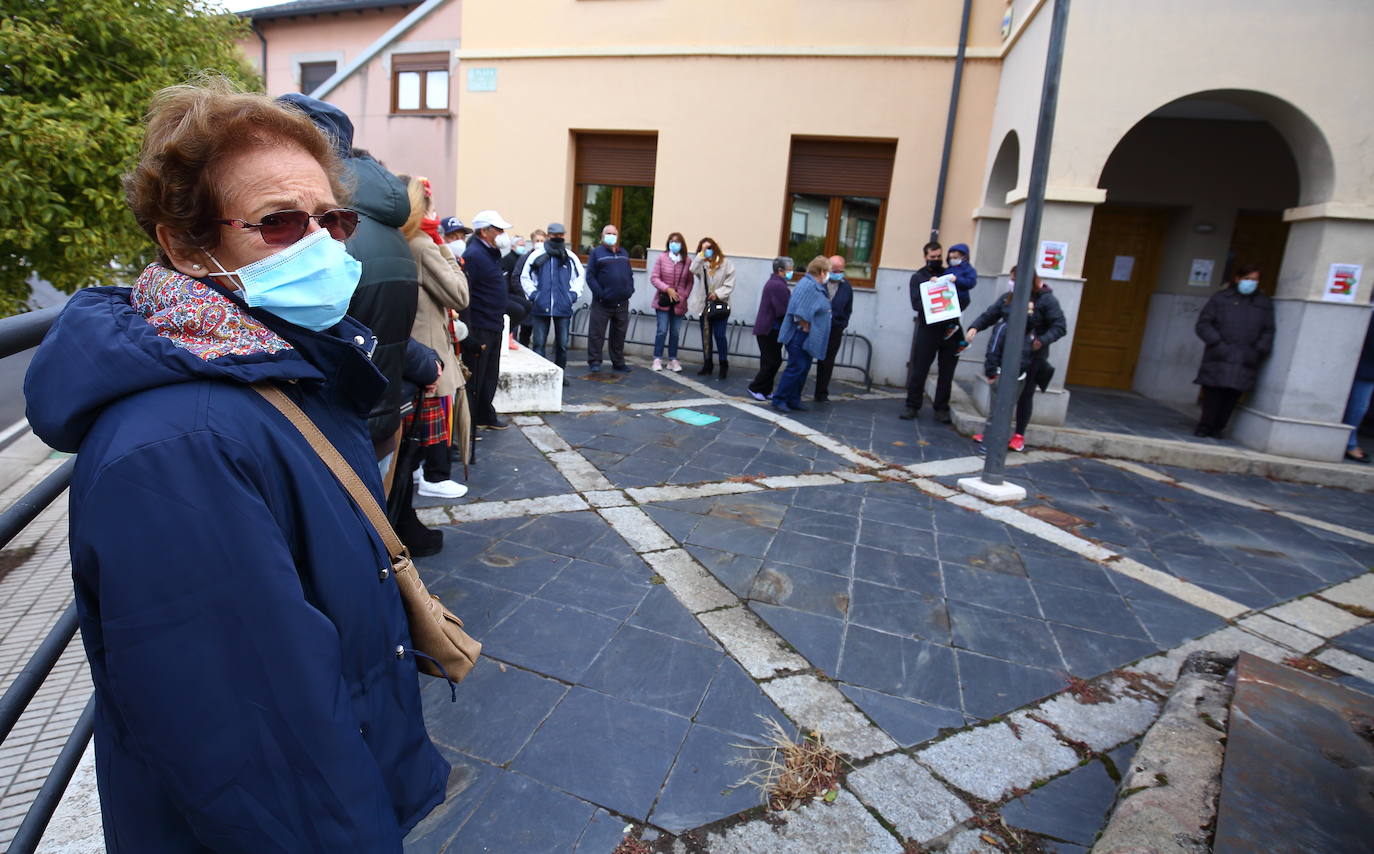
x: 442, y: 287
x: 718, y: 282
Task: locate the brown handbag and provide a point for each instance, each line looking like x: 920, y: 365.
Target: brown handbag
x: 436, y: 633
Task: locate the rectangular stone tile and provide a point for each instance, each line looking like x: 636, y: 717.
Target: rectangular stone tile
x: 819, y: 707
x: 1360, y: 641
x: 903, y: 612
x: 480, y: 606
x: 812, y: 552
x: 512, y: 566
x: 637, y: 528
x: 735, y: 703
x: 596, y: 588
x: 608, y: 498
x: 735, y: 571
x: 691, y: 584
x: 661, y: 612
x: 1100, y: 612
x: 502, y: 821
x: 990, y: 761
x: 498, y: 709
x: 906, y: 721
x: 1101, y: 726
x: 1001, y: 635
x: 793, y: 481
x: 991, y: 686
x: 1357, y: 591
x: 1317, y: 617
x: 1073, y: 807
x: 901, y: 666
x: 1189, y: 593
x: 1281, y: 632
x: 608, y: 751
x: 732, y: 536
x: 895, y: 570
x: 648, y: 494
x: 581, y: 474
x: 1089, y: 653
x: 908, y: 798
x: 1348, y: 662
x: 655, y: 670
x: 704, y: 785
x: 816, y: 637
x: 556, y: 640
x: 544, y: 438
x: 997, y: 590
x: 757, y: 648
x: 842, y: 826
x: 802, y: 589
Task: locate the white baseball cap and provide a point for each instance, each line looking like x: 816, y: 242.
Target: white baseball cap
x: 486, y: 218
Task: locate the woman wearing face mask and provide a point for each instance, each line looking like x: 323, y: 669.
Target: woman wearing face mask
x: 805, y: 332
x: 255, y: 688
x: 1044, y: 326
x: 1237, y: 325
x: 713, y: 298
x: 443, y: 289
x: 772, y: 308
x: 672, y: 281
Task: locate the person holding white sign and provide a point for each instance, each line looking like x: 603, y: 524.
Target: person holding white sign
x: 938, y: 296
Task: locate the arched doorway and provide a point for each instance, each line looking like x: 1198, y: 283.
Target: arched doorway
x: 994, y: 221
x: 1194, y: 188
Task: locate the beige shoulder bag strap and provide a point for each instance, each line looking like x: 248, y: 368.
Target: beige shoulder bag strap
x: 435, y: 631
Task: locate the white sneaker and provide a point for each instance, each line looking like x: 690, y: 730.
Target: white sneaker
x: 675, y: 366
x: 442, y: 489
x: 657, y: 365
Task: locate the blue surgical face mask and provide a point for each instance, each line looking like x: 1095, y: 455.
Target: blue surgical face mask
x: 309, y: 283
x: 675, y: 247
x: 521, y: 248
x: 1247, y: 286
x: 786, y: 275
x: 956, y: 260
x: 836, y: 277
x: 709, y: 253
x: 608, y: 239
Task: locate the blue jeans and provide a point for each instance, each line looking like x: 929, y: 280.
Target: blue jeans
x: 717, y: 331
x: 562, y: 327
x: 793, y: 378
x: 1355, y: 410
x: 668, y: 322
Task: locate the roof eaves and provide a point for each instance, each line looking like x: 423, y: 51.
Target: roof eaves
x: 318, y: 7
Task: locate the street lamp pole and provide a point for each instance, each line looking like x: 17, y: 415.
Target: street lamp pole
x: 998, y: 430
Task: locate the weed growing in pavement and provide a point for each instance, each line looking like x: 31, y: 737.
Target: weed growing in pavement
x: 631, y: 845
x: 1312, y: 665
x: 1356, y: 610
x: 790, y: 773
x: 1087, y: 693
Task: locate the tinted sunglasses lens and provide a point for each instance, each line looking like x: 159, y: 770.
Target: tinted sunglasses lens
x: 341, y: 223
x: 284, y: 228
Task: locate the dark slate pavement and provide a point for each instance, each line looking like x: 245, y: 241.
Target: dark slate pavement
x: 1252, y: 556
x: 926, y: 613
x: 646, y: 448
x: 598, y: 691
x: 1068, y: 811
x: 507, y: 467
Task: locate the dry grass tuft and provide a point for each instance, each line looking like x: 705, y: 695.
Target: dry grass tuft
x: 790, y: 773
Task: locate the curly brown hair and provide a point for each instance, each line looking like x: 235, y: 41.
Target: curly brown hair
x: 193, y: 127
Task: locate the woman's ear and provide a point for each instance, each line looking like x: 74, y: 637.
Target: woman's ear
x: 185, y: 259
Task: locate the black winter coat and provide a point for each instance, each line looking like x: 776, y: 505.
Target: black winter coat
x: 389, y: 288
x: 1239, y: 333
x: 1047, y: 322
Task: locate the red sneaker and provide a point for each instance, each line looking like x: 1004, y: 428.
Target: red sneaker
x: 1017, y: 443
x: 978, y: 437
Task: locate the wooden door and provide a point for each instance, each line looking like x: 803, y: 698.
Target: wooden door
x: 1119, y: 272
x: 1259, y: 237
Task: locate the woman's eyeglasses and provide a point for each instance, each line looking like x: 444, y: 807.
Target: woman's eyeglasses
x: 284, y: 228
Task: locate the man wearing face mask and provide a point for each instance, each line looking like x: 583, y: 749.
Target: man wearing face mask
x: 841, y: 306
x: 1237, y: 325
x: 455, y: 236
x: 612, y: 283
x: 943, y: 341
x: 552, y: 280
x: 484, y: 316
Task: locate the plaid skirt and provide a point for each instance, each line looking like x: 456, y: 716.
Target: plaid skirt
x: 436, y: 419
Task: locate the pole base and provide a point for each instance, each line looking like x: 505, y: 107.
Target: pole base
x: 1002, y: 493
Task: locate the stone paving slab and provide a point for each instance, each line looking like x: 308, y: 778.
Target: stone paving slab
x: 991, y: 761
x: 911, y: 800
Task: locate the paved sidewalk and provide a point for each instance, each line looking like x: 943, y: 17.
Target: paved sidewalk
x: 647, y: 591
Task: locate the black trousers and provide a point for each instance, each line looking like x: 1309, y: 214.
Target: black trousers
x: 617, y: 314
x: 1217, y: 405
x: 770, y: 359
x: 1025, y: 398
x: 826, y: 366
x: 482, y: 355
x: 928, y: 343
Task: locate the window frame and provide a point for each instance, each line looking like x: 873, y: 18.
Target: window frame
x: 617, y: 194
x: 836, y: 205
x: 421, y: 63
x: 300, y: 72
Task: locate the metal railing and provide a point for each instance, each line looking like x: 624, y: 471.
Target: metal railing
x: 739, y: 335
x: 17, y: 334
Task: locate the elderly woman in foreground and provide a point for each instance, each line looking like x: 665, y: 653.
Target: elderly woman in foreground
x: 805, y: 332
x: 255, y: 686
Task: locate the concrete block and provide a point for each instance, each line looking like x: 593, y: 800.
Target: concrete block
x: 1348, y: 662
x: 579, y: 471
x: 649, y: 494
x: 971, y: 842
x: 608, y: 498
x: 1357, y: 591
x: 689, y: 581
x: 1317, y: 617
x: 856, y: 477
x: 908, y: 798
x: 759, y: 651
x: 990, y: 761
x: 528, y: 383
x: 478, y: 511
x: 1101, y: 726
x: 788, y: 481
x: 1280, y: 632
x: 543, y: 437
x: 817, y: 828
x: 819, y: 707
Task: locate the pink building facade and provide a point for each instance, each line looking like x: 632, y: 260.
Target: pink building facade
x: 391, y: 65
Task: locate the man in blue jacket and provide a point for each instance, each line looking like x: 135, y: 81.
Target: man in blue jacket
x: 841, y: 306
x: 484, y: 316
x: 552, y: 279
x: 612, y: 284
x: 944, y: 339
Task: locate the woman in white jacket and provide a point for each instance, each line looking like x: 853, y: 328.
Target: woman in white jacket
x: 717, y: 274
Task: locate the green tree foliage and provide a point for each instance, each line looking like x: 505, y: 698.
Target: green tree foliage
x: 75, y: 80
